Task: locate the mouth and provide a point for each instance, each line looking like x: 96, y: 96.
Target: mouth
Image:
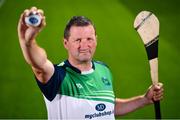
x: 84, y: 51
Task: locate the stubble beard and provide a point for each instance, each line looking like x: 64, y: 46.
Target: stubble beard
x: 84, y: 58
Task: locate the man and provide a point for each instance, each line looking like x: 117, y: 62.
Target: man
x: 77, y: 88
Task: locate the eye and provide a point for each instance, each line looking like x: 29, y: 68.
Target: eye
x: 90, y: 39
x: 78, y: 40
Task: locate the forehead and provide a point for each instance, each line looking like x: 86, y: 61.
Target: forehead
x: 82, y: 31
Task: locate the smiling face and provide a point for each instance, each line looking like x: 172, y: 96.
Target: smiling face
x: 81, y: 43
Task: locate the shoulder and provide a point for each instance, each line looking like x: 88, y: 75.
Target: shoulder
x: 60, y: 64
x: 101, y: 66
x: 59, y: 68
x: 100, y: 63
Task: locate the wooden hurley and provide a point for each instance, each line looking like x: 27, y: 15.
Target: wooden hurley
x: 147, y: 26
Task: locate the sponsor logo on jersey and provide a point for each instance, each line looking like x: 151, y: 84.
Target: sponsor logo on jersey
x: 100, y: 107
x: 100, y: 114
x: 105, y: 81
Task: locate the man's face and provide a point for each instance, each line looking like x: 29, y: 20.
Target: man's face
x: 81, y: 43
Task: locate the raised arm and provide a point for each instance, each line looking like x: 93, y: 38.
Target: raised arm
x: 32, y: 52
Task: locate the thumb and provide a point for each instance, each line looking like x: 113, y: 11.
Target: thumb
x: 158, y: 86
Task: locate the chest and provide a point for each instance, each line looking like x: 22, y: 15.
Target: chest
x: 94, y: 86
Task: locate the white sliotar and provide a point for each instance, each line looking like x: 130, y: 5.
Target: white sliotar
x: 33, y: 20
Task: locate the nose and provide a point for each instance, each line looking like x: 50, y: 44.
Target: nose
x: 84, y: 44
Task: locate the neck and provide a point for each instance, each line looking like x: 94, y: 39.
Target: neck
x: 82, y: 66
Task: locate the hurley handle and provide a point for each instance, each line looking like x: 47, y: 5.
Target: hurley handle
x: 157, y: 110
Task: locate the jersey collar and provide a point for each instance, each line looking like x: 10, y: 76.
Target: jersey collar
x: 67, y: 64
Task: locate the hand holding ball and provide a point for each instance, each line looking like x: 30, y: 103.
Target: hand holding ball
x: 33, y: 20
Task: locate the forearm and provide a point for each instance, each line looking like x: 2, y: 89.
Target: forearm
x: 124, y: 106
x: 33, y: 54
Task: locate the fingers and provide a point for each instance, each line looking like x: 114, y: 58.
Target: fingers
x: 40, y: 12
x: 158, y: 92
x: 32, y: 10
x: 43, y: 22
x: 154, y: 93
x: 158, y: 86
x: 23, y: 26
x: 26, y: 12
x: 157, y: 98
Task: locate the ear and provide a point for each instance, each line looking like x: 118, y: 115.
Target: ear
x: 96, y: 40
x: 65, y: 42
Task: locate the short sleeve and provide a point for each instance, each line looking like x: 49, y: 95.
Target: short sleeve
x: 50, y: 89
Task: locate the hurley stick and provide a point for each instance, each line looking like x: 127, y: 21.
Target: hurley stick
x: 147, y: 26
